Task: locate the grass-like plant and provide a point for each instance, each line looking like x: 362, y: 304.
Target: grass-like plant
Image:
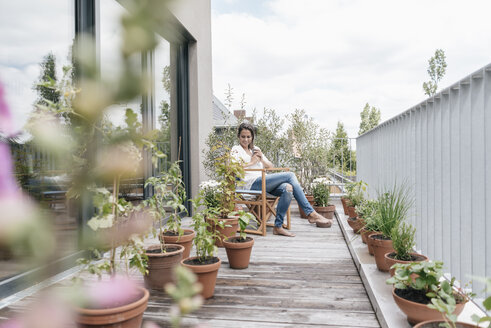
x: 403, y: 241
x: 393, y: 207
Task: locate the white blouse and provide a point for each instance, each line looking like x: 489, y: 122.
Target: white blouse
x: 241, y: 155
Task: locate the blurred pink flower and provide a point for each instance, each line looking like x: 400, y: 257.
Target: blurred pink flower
x: 113, y: 293
x: 13, y: 323
x: 6, y: 126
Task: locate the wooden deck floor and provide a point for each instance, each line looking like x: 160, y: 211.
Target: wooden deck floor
x: 309, y: 280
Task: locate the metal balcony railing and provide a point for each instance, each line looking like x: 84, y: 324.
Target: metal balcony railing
x: 442, y: 149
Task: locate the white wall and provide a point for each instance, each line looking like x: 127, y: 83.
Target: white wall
x: 195, y: 16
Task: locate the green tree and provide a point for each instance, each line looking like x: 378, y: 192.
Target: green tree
x: 163, y: 136
x: 340, y: 151
x: 370, y: 118
x: 436, y: 70
x: 48, y: 75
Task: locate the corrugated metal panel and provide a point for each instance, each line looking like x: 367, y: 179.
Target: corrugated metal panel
x: 442, y: 149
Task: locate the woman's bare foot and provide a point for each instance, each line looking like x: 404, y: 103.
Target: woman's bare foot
x: 319, y: 220
x: 282, y: 232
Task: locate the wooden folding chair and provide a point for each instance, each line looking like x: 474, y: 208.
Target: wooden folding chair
x: 262, y: 204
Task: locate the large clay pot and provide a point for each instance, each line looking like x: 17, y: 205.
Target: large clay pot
x: 417, y: 312
x: 380, y: 248
x: 161, y: 265
x: 326, y: 211
x: 238, y: 253
x: 126, y: 316
x: 391, y: 261
x: 370, y: 241
x: 352, y: 212
x: 231, y: 224
x: 185, y: 240
x: 345, y: 201
x: 436, y: 324
x: 356, y: 224
x: 206, y: 273
x: 364, y: 233
x: 310, y: 199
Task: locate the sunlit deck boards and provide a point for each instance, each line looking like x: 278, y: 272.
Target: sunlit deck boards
x: 309, y: 280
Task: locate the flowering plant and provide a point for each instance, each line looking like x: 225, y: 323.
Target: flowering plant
x: 320, y: 189
x: 211, y: 190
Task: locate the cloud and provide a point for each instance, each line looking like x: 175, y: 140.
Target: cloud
x: 332, y: 57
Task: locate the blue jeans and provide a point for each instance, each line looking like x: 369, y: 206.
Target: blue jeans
x: 276, y: 184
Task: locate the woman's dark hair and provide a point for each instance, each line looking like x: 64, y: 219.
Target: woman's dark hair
x: 247, y: 126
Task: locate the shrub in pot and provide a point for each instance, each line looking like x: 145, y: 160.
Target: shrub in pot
x: 427, y: 296
x: 364, y: 210
x: 169, y: 193
x: 321, y: 193
x: 403, y: 243
x: 392, y: 208
x: 230, y: 173
x: 205, y: 264
x: 239, y: 248
x: 355, y: 196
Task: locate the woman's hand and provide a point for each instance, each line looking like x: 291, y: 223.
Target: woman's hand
x: 255, y: 158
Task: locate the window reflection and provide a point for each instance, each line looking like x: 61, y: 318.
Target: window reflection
x: 35, y: 49
x: 162, y: 73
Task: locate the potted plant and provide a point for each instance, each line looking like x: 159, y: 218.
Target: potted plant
x: 162, y: 258
x: 449, y: 319
x: 364, y: 209
x: 239, y: 248
x: 403, y: 243
x: 421, y: 299
x: 321, y: 192
x: 230, y: 173
x: 368, y: 214
x: 205, y: 264
x: 392, y: 208
x: 355, y: 196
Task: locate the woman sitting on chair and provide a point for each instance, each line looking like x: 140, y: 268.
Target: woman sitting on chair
x: 284, y: 185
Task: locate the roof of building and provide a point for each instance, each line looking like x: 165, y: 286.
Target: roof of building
x: 221, y: 115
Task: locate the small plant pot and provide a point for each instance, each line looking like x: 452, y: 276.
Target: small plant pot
x: 345, y: 202
x: 125, y: 316
x: 364, y: 233
x: 206, y: 273
x: 238, y: 251
x: 389, y: 259
x: 326, y: 211
x: 161, y: 265
x: 352, y: 212
x: 231, y: 224
x: 185, y: 240
x: 370, y: 241
x: 436, y: 324
x: 417, y: 312
x: 380, y: 248
x: 356, y: 224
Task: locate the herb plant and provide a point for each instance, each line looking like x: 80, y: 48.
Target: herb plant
x: 355, y: 192
x: 392, y: 209
x: 403, y: 241
x: 204, y: 241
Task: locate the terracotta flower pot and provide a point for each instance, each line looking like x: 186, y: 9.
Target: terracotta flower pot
x: 364, y: 233
x: 231, y: 224
x: 380, y: 248
x: 352, y: 212
x: 185, y: 240
x: 326, y: 211
x: 344, y: 201
x: 356, y: 224
x: 207, y: 274
x: 161, y: 265
x: 238, y: 253
x: 126, y: 316
x: 391, y: 261
x: 417, y: 312
x: 370, y: 241
x: 436, y: 324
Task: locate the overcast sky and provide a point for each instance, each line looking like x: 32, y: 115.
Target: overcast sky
x: 331, y: 57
